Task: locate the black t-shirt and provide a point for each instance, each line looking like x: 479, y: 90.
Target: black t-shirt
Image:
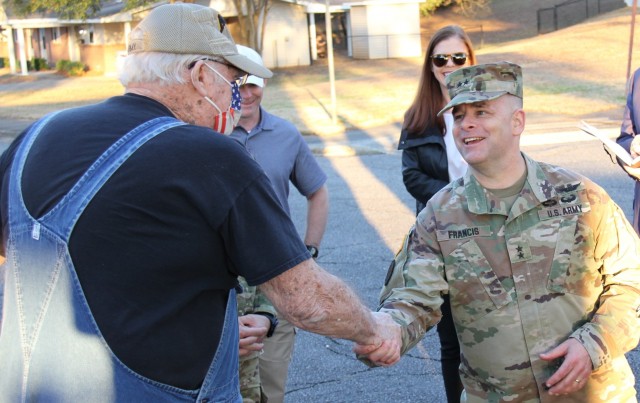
x: 161, y: 244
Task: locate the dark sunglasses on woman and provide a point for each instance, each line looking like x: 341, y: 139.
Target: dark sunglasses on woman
x: 459, y: 59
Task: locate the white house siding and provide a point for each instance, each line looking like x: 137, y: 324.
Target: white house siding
x: 393, y: 30
x: 224, y: 7
x: 286, y: 39
x: 359, y: 32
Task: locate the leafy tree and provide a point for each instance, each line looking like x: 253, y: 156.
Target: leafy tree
x: 69, y: 9
x: 252, y: 14
x: 466, y: 7
x: 471, y: 7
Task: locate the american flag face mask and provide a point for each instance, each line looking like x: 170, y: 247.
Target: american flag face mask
x: 225, y: 122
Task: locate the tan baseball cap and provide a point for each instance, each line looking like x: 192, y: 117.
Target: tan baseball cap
x: 190, y: 29
x: 254, y: 57
x: 483, y: 82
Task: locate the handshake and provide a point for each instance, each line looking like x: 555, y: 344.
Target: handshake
x: 379, y: 348
x: 383, y: 348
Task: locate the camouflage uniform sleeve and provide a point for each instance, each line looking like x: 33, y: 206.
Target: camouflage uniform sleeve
x: 245, y: 298
x: 415, y: 283
x: 252, y: 300
x: 262, y: 304
x: 615, y: 327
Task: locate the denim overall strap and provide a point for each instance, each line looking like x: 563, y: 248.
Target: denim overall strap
x: 16, y: 208
x: 49, y: 337
x: 19, y: 214
x: 225, y: 362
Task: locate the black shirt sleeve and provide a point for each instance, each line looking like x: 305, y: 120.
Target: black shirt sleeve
x: 261, y: 238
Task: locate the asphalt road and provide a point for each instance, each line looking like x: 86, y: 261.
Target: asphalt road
x: 370, y: 211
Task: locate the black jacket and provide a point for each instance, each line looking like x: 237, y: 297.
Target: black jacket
x: 424, y: 164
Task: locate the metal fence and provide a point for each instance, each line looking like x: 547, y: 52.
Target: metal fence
x: 572, y: 12
x: 385, y: 46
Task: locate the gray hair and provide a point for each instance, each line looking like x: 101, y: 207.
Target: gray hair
x: 162, y: 68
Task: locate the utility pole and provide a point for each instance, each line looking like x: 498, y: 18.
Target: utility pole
x: 633, y: 25
x: 332, y: 76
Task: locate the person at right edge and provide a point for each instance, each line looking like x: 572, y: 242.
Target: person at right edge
x: 541, y: 266
x: 430, y: 160
x: 631, y: 141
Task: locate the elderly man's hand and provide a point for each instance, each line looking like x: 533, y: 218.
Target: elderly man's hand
x: 253, y: 329
x: 387, y: 351
x: 575, y: 369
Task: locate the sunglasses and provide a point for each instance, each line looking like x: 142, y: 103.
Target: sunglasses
x: 458, y: 59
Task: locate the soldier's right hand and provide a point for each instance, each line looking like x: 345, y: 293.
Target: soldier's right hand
x: 386, y: 351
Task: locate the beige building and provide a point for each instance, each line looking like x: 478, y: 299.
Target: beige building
x: 96, y: 42
x: 294, y: 34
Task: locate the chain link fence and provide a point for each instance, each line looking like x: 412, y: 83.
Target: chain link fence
x: 572, y: 12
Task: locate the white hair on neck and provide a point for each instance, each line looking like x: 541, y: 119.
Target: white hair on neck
x: 155, y: 67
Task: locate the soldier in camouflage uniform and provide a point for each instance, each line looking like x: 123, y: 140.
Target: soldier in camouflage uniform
x: 254, y: 309
x: 541, y: 266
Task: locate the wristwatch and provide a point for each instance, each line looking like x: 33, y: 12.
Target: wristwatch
x: 273, y: 322
x: 313, y: 250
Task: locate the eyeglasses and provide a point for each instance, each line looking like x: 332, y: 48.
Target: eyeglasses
x: 459, y: 59
x: 240, y: 80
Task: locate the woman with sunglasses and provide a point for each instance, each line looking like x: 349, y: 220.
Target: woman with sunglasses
x: 430, y: 160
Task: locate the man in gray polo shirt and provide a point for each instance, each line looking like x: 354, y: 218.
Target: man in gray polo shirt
x: 279, y: 148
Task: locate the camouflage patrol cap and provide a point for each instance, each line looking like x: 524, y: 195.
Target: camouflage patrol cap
x: 483, y: 82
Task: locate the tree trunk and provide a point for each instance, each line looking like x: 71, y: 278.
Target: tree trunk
x: 252, y: 17
x: 265, y: 13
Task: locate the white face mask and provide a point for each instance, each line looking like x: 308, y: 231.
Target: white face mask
x: 225, y: 122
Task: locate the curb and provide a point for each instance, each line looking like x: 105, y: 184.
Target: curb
x: 387, y: 145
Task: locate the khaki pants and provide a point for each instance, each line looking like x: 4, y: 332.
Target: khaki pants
x: 274, y: 362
